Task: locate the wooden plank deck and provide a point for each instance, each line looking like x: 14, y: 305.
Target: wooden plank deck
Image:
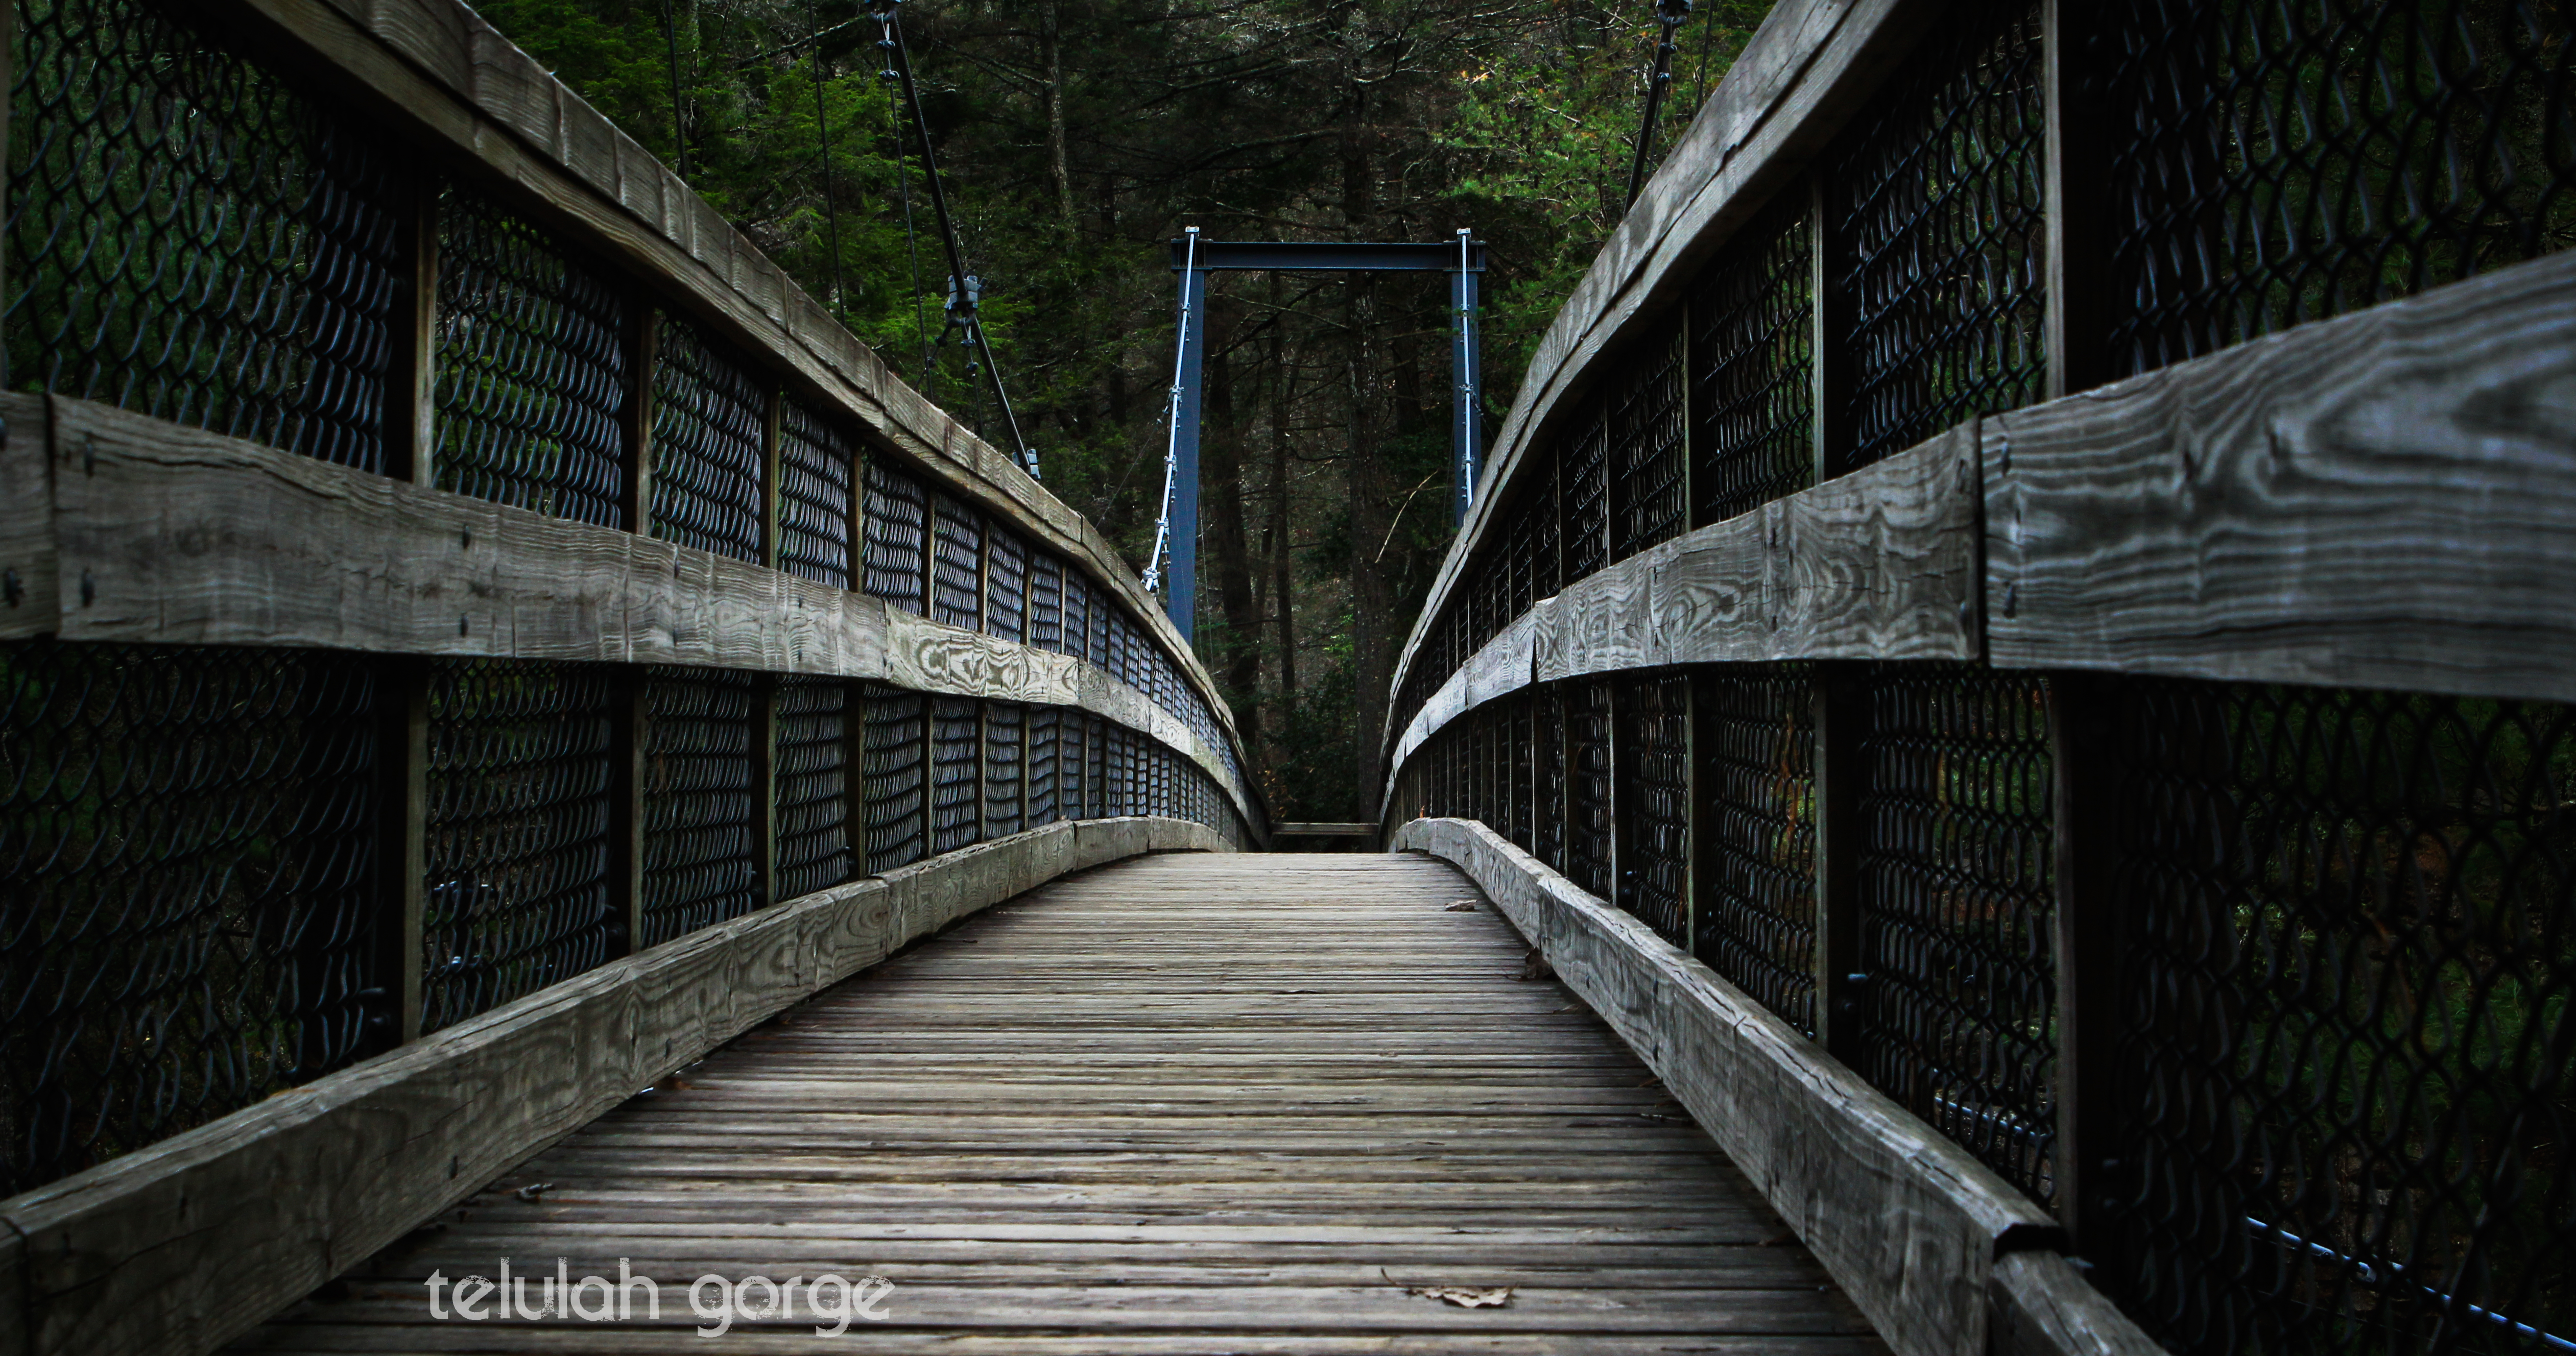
x: 1188, y: 1103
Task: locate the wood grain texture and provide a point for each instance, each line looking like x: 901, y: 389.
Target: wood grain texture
x: 2042, y: 1306
x: 1906, y: 1221
x: 1208, y: 1103
x: 1809, y: 66
x: 440, y: 72
x: 26, y: 519
x: 170, y: 535
x: 1877, y: 564
x: 2384, y: 500
x: 181, y: 1246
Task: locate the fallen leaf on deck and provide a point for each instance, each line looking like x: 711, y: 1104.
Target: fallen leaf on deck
x: 1462, y: 1296
x: 534, y: 1191
x: 1462, y: 906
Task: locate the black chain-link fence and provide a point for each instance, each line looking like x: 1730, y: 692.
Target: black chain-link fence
x: 701, y: 845
x: 1757, y: 909
x: 530, y: 369
x: 1935, y: 234
x: 1649, y: 484
x: 1957, y: 903
x: 816, y: 462
x: 193, y: 238
x: 2348, y: 1005
x: 894, y: 557
x: 1753, y: 365
x: 895, y: 772
x: 188, y: 840
x: 1654, y: 803
x: 812, y: 745
x: 519, y: 832
x: 2274, y: 164
x: 710, y: 420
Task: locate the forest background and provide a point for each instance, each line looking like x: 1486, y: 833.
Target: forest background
x: 1077, y: 137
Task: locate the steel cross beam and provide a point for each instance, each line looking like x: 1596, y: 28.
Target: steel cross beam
x: 1462, y: 259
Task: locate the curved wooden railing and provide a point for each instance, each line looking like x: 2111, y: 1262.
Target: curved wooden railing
x: 2053, y: 758
x: 476, y: 636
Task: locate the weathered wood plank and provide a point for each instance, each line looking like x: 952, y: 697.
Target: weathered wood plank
x: 1877, y: 564
x: 1908, y: 1222
x: 439, y: 71
x: 1809, y: 66
x: 182, y: 1245
x: 30, y: 585
x: 176, y: 536
x: 2043, y: 1307
x: 995, y: 1187
x: 2384, y: 500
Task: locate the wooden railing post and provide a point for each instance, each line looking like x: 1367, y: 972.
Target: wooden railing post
x: 629, y: 737
x: 402, y: 817
x: 764, y: 687
x: 1842, y: 981
x: 402, y: 696
x: 2081, y: 719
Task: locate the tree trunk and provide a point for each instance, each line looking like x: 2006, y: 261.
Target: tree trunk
x: 1052, y: 50
x: 1238, y: 653
x: 1283, y: 557
x: 1372, y: 601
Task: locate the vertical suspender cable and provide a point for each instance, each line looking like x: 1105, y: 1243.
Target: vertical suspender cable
x: 1172, y: 418
x: 679, y: 131
x: 1669, y: 15
x: 823, y: 142
x: 959, y: 283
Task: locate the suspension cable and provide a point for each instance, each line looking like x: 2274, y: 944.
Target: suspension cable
x: 679, y: 133
x: 1172, y: 419
x: 964, y: 289
x: 911, y: 244
x: 1669, y: 15
x: 823, y: 142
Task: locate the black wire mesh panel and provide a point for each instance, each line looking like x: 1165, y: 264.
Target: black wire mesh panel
x: 190, y: 238
x: 1046, y: 601
x: 1554, y: 785
x: 710, y: 420
x: 1936, y: 233
x: 1119, y: 791
x: 1592, y: 833
x: 517, y: 838
x: 956, y: 773
x: 895, y: 564
x: 1005, y: 775
x: 1957, y: 898
x: 701, y: 850
x: 816, y: 458
x: 1582, y: 458
x: 956, y: 564
x: 2282, y: 163
x: 1006, y: 586
x: 895, y: 776
x: 1078, y: 785
x: 1077, y: 612
x: 1654, y: 752
x: 1649, y: 409
x: 530, y: 371
x: 1525, y: 770
x: 188, y: 837
x: 1753, y: 390
x: 1104, y: 615
x: 1045, y: 741
x: 1757, y: 908
x: 811, y: 784
x: 2346, y: 1020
